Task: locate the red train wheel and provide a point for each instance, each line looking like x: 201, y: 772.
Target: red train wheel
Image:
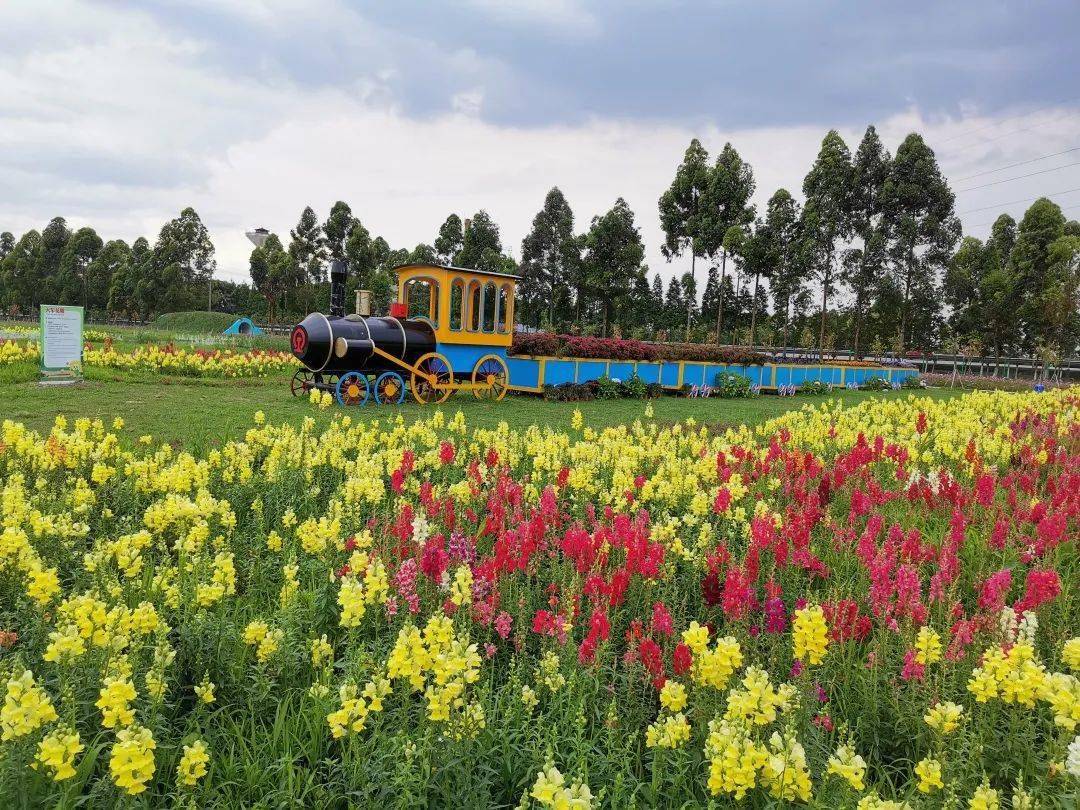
x: 302, y: 382
x: 441, y: 385
x: 491, y: 378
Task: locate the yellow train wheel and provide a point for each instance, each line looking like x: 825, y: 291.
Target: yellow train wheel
x: 432, y: 380
x: 491, y: 378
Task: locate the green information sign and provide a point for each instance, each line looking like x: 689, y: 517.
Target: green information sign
x: 61, y: 343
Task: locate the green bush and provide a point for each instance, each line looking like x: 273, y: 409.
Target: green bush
x: 815, y: 388
x: 876, y: 384
x: 728, y: 385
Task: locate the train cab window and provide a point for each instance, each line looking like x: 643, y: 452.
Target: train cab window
x: 457, y: 304
x: 502, y: 310
x: 488, y: 305
x: 474, y: 306
x: 422, y: 295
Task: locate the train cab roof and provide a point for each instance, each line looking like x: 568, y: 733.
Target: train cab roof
x: 464, y: 306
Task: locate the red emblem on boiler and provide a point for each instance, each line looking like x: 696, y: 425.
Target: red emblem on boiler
x: 299, y: 339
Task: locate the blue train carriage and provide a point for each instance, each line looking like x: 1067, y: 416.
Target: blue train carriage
x: 448, y: 331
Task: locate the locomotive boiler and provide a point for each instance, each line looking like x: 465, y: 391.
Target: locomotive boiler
x: 462, y: 321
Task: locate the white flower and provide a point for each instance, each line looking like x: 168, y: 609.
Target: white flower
x: 1072, y: 761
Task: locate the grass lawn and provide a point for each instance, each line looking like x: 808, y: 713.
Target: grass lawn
x: 200, y: 413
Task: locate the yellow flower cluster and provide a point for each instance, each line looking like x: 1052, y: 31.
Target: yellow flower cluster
x: 927, y: 646
x: 186, y: 363
x: 57, y: 751
x: 352, y: 716
x: 132, y: 760
x: 810, y: 634
x: 929, y: 772
x: 551, y: 790
x: 1013, y: 677
x: 442, y: 664
x: 26, y: 707
x: 849, y: 766
x: 945, y: 717
x: 114, y: 700
x: 265, y: 640
x: 192, y: 766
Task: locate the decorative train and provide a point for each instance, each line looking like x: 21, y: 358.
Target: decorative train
x: 448, y: 331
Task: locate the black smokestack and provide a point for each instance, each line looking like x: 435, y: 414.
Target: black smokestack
x: 338, y: 270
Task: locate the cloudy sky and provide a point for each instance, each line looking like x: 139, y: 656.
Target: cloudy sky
x: 118, y: 114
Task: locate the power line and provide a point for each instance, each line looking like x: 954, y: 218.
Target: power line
x: 1003, y: 120
x: 1015, y: 202
x: 1018, y: 177
x: 1014, y: 165
x: 984, y: 224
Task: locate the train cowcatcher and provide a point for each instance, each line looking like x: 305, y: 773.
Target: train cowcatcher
x: 448, y: 330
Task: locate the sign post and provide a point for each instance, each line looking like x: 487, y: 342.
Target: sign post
x: 61, y: 344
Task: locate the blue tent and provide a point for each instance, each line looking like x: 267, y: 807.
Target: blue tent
x: 243, y: 326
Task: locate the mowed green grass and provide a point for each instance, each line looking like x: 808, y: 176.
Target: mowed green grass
x: 200, y: 413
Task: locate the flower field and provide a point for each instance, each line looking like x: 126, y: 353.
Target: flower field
x: 167, y: 359
x: 870, y: 607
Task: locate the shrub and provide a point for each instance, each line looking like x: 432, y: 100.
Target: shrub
x: 607, y: 388
x: 876, y: 384
x: 595, y: 348
x: 729, y: 385
x: 815, y: 388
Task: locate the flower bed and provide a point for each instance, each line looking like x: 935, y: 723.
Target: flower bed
x: 546, y: 344
x: 167, y: 359
x: 849, y: 607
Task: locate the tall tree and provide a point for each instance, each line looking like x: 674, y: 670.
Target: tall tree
x: 825, y: 216
x: 19, y: 273
x: 1000, y: 290
x: 612, y: 260
x: 481, y: 246
x: 919, y: 205
x: 336, y: 230
x: 550, y: 254
x: 306, y: 247
x: 963, y: 285
x: 1042, y: 225
x: 759, y: 259
x: 782, y: 224
x: 732, y: 245
x: 82, y: 248
x: 1061, y: 296
x: 710, y: 298
x: 113, y: 258
x: 450, y: 239
x: 7, y: 244
x: 727, y: 206
x: 681, y: 208
x: 864, y: 264
x: 674, y: 304
x: 658, y: 316
x: 362, y: 255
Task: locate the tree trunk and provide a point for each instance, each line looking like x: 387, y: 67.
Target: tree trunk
x: 753, y: 312
x: 605, y: 319
x: 690, y: 297
x: 907, y: 294
x: 858, y: 323
x: 720, y: 305
x: 824, y: 308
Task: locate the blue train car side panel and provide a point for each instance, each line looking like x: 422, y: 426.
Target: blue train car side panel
x: 591, y: 370
x: 649, y: 372
x: 621, y: 371
x: 464, y: 358
x: 524, y: 372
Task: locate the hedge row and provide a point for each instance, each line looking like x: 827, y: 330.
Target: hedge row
x: 547, y: 344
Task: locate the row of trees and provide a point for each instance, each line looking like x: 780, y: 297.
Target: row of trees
x: 869, y: 258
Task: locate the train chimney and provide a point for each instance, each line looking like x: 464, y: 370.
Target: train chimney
x: 338, y: 270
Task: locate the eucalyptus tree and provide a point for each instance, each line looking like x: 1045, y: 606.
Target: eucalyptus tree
x: 683, y: 212
x: 920, y: 207
x: 782, y: 225
x: 550, y: 255
x: 826, y: 215
x: 731, y: 185
x: 449, y: 240
x: 307, y: 247
x: 337, y: 229
x: 864, y: 264
x: 612, y: 258
x: 1041, y: 226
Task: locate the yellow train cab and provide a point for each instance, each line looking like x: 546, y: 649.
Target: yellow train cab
x: 464, y: 307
